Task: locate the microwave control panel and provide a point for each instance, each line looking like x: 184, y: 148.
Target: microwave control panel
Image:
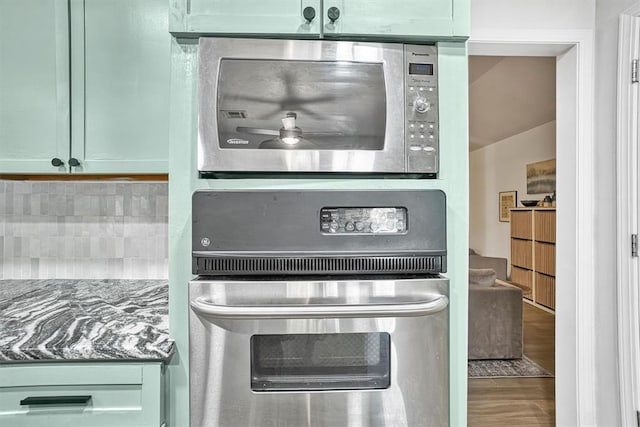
x: 421, y: 108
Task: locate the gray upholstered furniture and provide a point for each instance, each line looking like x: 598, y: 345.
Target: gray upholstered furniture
x: 499, y: 265
x: 495, y: 312
x: 495, y: 321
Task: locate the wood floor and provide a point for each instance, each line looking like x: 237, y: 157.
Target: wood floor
x: 519, y: 402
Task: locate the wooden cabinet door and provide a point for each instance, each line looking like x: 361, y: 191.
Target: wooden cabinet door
x: 410, y: 18
x: 245, y: 17
x: 120, y: 56
x: 34, y: 85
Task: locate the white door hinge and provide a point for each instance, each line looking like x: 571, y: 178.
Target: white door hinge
x: 634, y: 71
x: 634, y: 245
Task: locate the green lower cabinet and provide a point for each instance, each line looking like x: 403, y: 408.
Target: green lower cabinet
x: 96, y: 394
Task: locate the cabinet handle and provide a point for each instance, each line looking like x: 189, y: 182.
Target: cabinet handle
x: 309, y: 13
x: 54, y: 400
x: 74, y: 162
x: 56, y: 162
x: 333, y: 14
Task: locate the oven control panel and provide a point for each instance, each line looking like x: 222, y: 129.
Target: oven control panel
x: 352, y: 220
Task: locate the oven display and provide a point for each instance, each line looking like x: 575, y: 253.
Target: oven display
x: 363, y: 220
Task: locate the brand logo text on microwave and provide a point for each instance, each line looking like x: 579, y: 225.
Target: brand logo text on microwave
x: 236, y: 141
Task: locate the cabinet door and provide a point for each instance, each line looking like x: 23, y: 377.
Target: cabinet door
x: 246, y: 17
x: 410, y: 18
x: 120, y: 63
x: 34, y: 85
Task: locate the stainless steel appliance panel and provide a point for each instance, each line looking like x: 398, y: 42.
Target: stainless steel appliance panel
x: 350, y: 106
x: 290, y: 222
x: 226, y: 314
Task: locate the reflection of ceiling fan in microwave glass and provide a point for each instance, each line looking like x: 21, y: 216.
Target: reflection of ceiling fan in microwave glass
x: 288, y: 136
x: 301, y: 105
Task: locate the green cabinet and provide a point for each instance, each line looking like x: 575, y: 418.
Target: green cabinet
x: 34, y: 85
x: 106, y: 394
x: 120, y: 71
x: 245, y: 17
x: 429, y: 19
x: 90, y: 87
x: 404, y: 19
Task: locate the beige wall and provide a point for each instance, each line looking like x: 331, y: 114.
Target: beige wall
x: 502, y: 167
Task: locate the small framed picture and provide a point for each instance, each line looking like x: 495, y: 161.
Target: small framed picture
x: 506, y: 200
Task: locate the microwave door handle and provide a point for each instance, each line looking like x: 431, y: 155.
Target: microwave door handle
x: 410, y: 309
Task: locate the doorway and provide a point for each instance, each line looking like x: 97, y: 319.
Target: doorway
x: 512, y: 131
x: 574, y: 331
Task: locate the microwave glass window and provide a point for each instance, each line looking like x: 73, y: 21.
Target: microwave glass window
x: 301, y: 105
x: 298, y: 362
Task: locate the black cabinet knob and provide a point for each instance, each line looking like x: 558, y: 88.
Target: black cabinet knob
x: 309, y: 13
x: 74, y: 162
x: 333, y: 14
x: 56, y: 162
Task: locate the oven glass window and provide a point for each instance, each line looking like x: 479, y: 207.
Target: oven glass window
x: 299, y: 362
x: 301, y: 105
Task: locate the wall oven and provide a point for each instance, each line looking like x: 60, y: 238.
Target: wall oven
x: 319, y: 308
x: 317, y: 106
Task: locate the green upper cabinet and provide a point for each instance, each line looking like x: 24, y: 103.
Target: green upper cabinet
x: 34, y: 85
x: 428, y: 19
x: 84, y: 83
x: 246, y: 17
x: 120, y: 68
x: 404, y: 19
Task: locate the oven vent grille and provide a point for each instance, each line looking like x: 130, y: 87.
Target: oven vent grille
x: 217, y: 266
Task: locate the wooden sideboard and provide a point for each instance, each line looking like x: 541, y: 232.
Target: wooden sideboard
x: 533, y: 254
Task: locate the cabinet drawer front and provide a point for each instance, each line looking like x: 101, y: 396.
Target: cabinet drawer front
x: 110, y: 405
x: 545, y: 225
x: 521, y: 226
x: 546, y: 290
x: 69, y: 375
x: 521, y: 253
x: 523, y: 279
x: 121, y: 395
x: 546, y: 258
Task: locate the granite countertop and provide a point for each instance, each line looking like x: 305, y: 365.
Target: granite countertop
x: 89, y: 320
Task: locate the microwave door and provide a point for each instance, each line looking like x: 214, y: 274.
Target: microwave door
x: 303, y: 116
x: 306, y: 105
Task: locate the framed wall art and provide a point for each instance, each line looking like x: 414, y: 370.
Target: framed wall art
x: 506, y: 201
x: 541, y: 177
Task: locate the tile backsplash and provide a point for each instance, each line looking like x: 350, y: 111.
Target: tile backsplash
x: 83, y: 230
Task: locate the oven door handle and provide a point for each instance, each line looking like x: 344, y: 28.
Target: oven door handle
x: 239, y: 312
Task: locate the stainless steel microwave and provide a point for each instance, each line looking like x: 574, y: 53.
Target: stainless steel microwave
x: 267, y: 105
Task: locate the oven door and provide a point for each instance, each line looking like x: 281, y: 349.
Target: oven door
x: 300, y: 106
x: 319, y: 353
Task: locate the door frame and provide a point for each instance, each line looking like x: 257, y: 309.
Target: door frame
x: 627, y: 163
x: 575, y: 390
